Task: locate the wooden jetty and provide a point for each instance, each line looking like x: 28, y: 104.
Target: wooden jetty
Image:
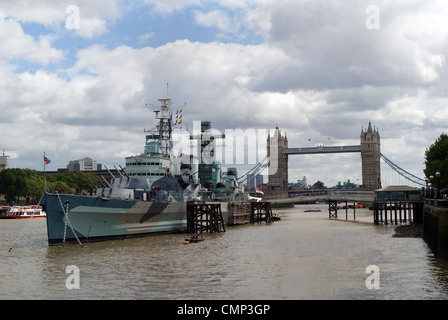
x: 398, y: 211
x: 205, y: 217
x: 249, y: 212
x: 333, y: 209
x: 261, y: 211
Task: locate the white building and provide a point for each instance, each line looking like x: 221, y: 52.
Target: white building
x: 4, y: 161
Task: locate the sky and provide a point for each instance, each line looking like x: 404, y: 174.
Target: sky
x: 80, y: 78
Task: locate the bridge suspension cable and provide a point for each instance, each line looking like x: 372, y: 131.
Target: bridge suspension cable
x: 256, y: 169
x: 402, y: 172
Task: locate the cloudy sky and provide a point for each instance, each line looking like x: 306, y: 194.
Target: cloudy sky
x: 77, y: 76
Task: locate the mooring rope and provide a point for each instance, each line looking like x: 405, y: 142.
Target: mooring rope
x: 67, y: 221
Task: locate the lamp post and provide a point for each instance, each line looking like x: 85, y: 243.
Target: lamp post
x: 426, y: 189
x: 438, y: 184
x: 431, y: 178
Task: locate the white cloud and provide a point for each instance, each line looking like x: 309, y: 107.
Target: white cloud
x: 143, y: 39
x: 18, y: 45
x: 215, y: 18
x: 169, y: 6
x: 94, y: 16
x: 318, y: 73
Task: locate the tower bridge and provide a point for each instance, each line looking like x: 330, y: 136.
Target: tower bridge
x: 278, y: 153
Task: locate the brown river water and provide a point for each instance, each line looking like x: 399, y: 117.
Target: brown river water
x: 304, y: 256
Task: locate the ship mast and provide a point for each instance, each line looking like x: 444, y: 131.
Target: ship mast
x: 158, y: 141
x: 165, y: 126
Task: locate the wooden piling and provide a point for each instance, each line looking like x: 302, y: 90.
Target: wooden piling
x: 399, y: 212
x: 204, y: 217
x: 261, y: 211
x: 332, y: 209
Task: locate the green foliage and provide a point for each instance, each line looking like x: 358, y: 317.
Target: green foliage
x: 15, y: 183
x: 12, y: 184
x: 436, y: 160
x: 34, y: 186
x: 75, y: 182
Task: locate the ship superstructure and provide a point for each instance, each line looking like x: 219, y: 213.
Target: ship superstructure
x: 155, y: 162
x: 149, y: 196
x: 145, y: 199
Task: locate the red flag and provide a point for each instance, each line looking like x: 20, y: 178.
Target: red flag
x: 46, y: 160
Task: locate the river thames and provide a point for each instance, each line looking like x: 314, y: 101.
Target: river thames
x: 302, y: 257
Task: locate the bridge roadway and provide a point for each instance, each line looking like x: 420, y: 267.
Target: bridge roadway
x: 365, y: 197
x: 322, y: 149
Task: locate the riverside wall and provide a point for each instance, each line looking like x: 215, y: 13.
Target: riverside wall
x: 435, y: 229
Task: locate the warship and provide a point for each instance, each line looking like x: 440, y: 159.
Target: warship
x: 149, y: 196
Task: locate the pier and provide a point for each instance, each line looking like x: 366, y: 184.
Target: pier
x: 252, y: 212
x: 205, y: 217
x: 399, y: 212
x: 261, y: 211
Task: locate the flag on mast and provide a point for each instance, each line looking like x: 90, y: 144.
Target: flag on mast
x: 179, y: 116
x: 46, y: 161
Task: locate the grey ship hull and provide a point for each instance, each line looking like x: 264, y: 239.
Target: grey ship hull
x: 96, y: 218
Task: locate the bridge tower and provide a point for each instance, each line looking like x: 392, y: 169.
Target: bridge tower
x: 370, y: 158
x: 278, y: 164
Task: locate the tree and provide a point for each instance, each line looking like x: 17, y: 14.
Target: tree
x: 12, y: 184
x: 75, y: 181
x: 436, y: 160
x: 35, y: 187
x: 61, y: 186
x: 15, y: 183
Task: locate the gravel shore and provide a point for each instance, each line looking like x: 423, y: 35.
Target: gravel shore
x: 414, y: 230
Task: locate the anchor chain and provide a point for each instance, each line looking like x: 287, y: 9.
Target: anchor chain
x: 21, y: 232
x: 67, y: 221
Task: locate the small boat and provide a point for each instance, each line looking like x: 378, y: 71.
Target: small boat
x: 195, y: 238
x: 24, y: 212
x: 354, y: 206
x: 4, y: 209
